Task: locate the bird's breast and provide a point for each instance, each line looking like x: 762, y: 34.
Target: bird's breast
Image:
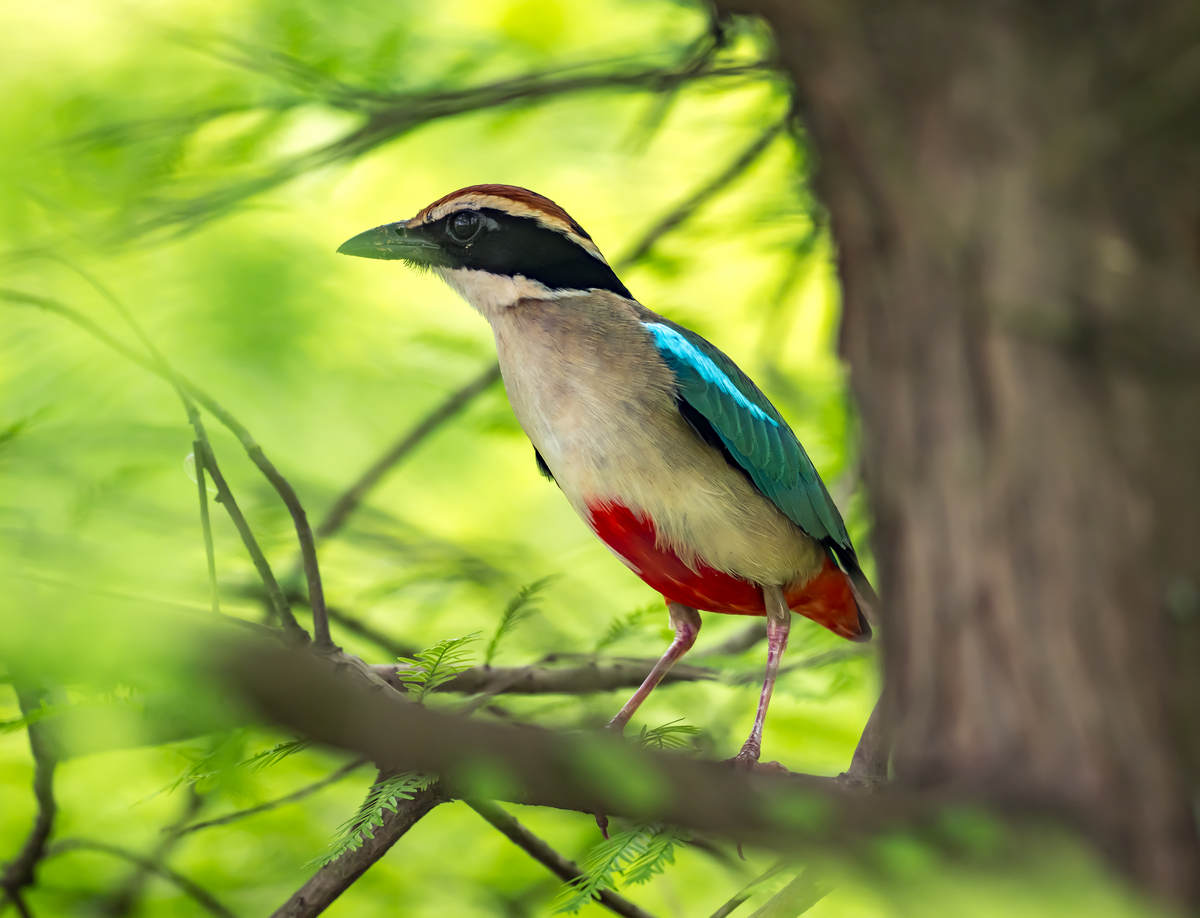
x: 599, y: 405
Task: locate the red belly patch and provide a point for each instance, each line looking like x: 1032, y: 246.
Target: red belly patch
x: 826, y: 598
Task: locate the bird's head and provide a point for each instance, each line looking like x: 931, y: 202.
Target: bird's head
x: 495, y: 245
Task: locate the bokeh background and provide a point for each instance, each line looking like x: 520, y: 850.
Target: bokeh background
x: 197, y: 164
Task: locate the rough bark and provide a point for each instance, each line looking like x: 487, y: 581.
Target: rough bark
x: 1014, y: 190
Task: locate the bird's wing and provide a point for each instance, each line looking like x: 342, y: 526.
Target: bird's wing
x: 731, y: 413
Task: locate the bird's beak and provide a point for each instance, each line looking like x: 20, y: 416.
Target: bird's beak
x: 392, y: 240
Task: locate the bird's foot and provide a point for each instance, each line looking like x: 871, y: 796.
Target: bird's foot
x: 748, y: 760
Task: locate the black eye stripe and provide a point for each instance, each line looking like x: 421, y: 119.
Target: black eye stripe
x: 509, y: 245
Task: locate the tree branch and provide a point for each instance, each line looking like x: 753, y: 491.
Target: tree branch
x: 585, y: 771
x: 124, y: 900
x: 682, y: 211
x: 335, y: 877
x: 271, y: 804
x: 189, y: 392
x: 193, y: 889
x: 563, y: 868
x: 348, y: 501
x: 544, y: 680
x: 21, y: 871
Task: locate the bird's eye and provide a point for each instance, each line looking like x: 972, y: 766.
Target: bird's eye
x: 464, y: 226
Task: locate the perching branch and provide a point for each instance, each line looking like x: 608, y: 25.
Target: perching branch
x: 21, y: 871
x: 563, y: 868
x: 585, y: 772
x: 599, y: 676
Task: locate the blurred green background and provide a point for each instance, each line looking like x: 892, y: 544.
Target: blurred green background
x: 200, y: 162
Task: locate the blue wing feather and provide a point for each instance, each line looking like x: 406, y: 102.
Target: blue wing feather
x: 752, y: 431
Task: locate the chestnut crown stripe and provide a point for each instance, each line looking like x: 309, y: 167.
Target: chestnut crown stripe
x: 512, y: 200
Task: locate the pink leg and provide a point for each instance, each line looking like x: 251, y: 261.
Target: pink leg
x: 779, y: 620
x: 686, y: 622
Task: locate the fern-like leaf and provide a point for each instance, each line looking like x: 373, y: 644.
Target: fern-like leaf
x: 600, y: 866
x: 519, y: 608
x: 671, y: 735
x: 636, y: 855
x: 436, y: 665
x: 383, y: 797
x: 659, y: 853
x: 624, y: 625
x: 275, y: 754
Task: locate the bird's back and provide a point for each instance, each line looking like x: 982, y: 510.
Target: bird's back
x: 600, y: 407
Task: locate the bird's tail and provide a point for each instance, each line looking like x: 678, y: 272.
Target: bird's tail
x: 830, y: 599
x: 865, y: 598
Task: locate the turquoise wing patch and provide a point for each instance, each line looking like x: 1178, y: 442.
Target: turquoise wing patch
x: 752, y: 431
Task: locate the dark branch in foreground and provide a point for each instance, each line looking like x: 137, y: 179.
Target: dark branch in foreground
x: 545, y: 680
x: 566, y: 870
x: 21, y: 871
x: 339, y: 706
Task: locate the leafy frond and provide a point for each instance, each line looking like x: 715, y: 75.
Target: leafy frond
x: 275, y: 754
x: 659, y: 853
x: 383, y: 797
x: 635, y: 854
x: 672, y: 735
x: 215, y: 762
x: 624, y: 625
x: 436, y: 665
x: 521, y: 607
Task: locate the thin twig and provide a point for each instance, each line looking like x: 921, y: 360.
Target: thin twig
x: 304, y: 535
x: 727, y: 908
x: 348, y: 501
x: 225, y: 497
x: 805, y: 891
x: 124, y: 901
x: 740, y: 640
x: 191, y: 887
x: 275, y: 595
x: 19, y: 903
x: 686, y: 208
x: 206, y: 525
x: 22, y: 870
x: 563, y: 868
x: 272, y: 804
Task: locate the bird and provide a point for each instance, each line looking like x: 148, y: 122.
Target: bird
x: 673, y: 457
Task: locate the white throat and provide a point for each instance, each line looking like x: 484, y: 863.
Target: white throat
x: 492, y: 293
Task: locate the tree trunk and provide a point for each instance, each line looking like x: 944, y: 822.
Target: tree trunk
x: 1015, y: 195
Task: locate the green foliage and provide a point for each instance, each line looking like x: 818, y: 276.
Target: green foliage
x: 275, y: 754
x: 436, y: 665
x: 520, y: 608
x: 622, y: 626
x: 382, y: 798
x: 203, y: 162
x: 634, y: 855
x: 672, y: 735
